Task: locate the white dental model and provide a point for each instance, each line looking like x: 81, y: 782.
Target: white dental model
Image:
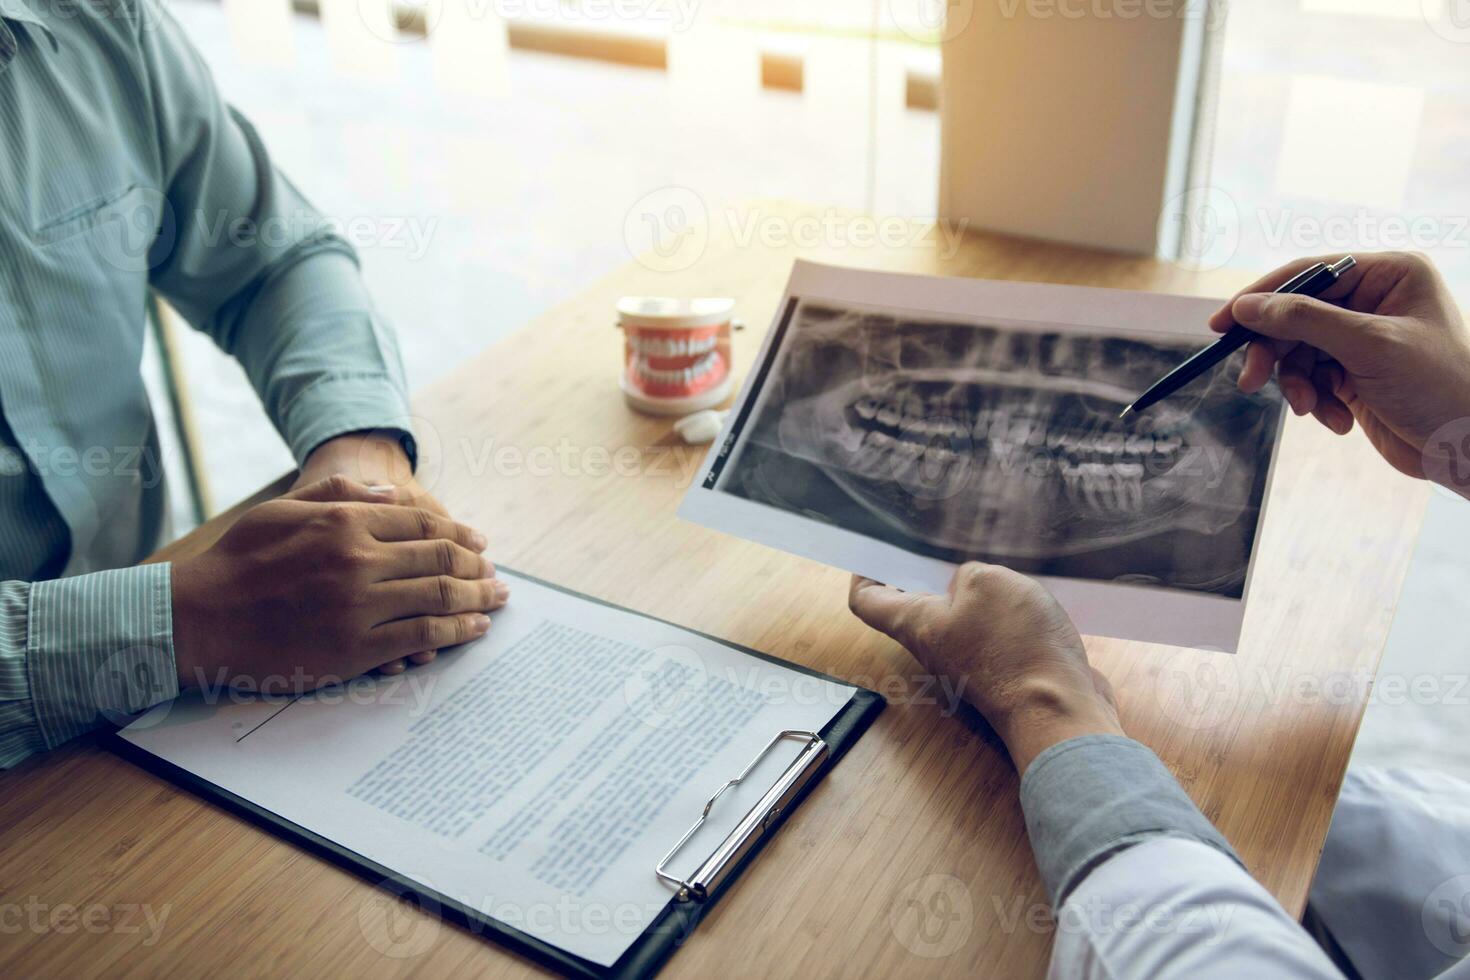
x: 701, y: 427
x: 676, y: 353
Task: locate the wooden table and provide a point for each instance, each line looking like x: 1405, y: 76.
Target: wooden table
x: 531, y: 441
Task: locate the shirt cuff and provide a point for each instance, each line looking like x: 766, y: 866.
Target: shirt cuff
x: 337, y: 405
x: 100, y: 647
x: 1090, y: 797
x: 19, y: 736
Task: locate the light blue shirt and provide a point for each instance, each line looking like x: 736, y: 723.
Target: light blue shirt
x: 122, y: 170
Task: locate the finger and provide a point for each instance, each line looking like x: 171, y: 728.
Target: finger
x: 1260, y: 364
x: 419, y: 659
x: 438, y: 595
x: 406, y: 636
x: 1294, y: 375
x: 413, y: 495
x: 417, y: 524
x: 1298, y: 392
x: 1332, y: 409
x: 884, y: 608
x: 873, y: 603
x: 393, y: 667
x: 1329, y: 378
x: 427, y: 502
x: 340, y: 488
x: 1334, y: 415
x: 1347, y: 336
x: 1223, y: 319
x: 1343, y: 387
x: 1381, y: 274
x: 441, y: 556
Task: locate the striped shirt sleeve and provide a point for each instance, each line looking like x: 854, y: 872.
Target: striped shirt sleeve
x: 80, y: 652
x: 282, y: 294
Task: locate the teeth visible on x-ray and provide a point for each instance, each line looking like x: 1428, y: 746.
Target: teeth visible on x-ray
x: 963, y: 440
x: 1105, y: 486
x: 997, y: 428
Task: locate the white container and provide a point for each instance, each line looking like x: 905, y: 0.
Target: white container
x: 676, y: 353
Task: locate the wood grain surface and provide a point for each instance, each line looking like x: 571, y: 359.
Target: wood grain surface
x: 911, y: 857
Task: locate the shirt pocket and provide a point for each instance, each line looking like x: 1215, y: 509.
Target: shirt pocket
x: 119, y: 228
x: 99, y: 209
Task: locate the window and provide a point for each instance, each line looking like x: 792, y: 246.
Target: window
x: 1341, y: 125
x: 495, y: 166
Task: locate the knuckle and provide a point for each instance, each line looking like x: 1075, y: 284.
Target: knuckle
x: 454, y: 531
x: 444, y: 593
x: 427, y: 523
x: 1285, y: 306
x: 976, y: 575
x: 924, y: 635
x: 426, y: 635
x: 356, y: 558
x: 338, y: 485
x: 446, y: 556
x: 338, y: 514
x: 1416, y: 261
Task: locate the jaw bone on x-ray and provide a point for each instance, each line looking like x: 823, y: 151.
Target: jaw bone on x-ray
x: 963, y: 441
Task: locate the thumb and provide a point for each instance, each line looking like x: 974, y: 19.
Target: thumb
x: 1345, y: 335
x: 883, y: 607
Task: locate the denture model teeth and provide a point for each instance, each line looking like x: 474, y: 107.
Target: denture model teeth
x: 671, y: 346
x: 689, y: 375
x: 675, y: 363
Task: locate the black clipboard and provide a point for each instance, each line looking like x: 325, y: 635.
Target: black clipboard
x: 687, y: 904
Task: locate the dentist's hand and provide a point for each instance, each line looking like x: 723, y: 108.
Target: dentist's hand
x: 1385, y: 347
x: 1007, y: 646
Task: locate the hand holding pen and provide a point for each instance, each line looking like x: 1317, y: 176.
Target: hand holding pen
x: 1385, y: 346
x: 1314, y: 280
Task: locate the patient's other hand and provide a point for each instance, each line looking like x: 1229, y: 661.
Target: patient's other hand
x: 1007, y: 645
x: 374, y: 459
x: 326, y: 583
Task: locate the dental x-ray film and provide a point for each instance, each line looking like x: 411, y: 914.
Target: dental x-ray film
x: 897, y: 426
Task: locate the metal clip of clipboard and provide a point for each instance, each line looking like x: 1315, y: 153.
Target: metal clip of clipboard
x: 759, y: 819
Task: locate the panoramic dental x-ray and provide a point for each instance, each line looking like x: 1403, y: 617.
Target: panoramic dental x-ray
x: 959, y: 439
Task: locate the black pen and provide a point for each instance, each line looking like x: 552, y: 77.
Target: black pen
x: 1312, y: 281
